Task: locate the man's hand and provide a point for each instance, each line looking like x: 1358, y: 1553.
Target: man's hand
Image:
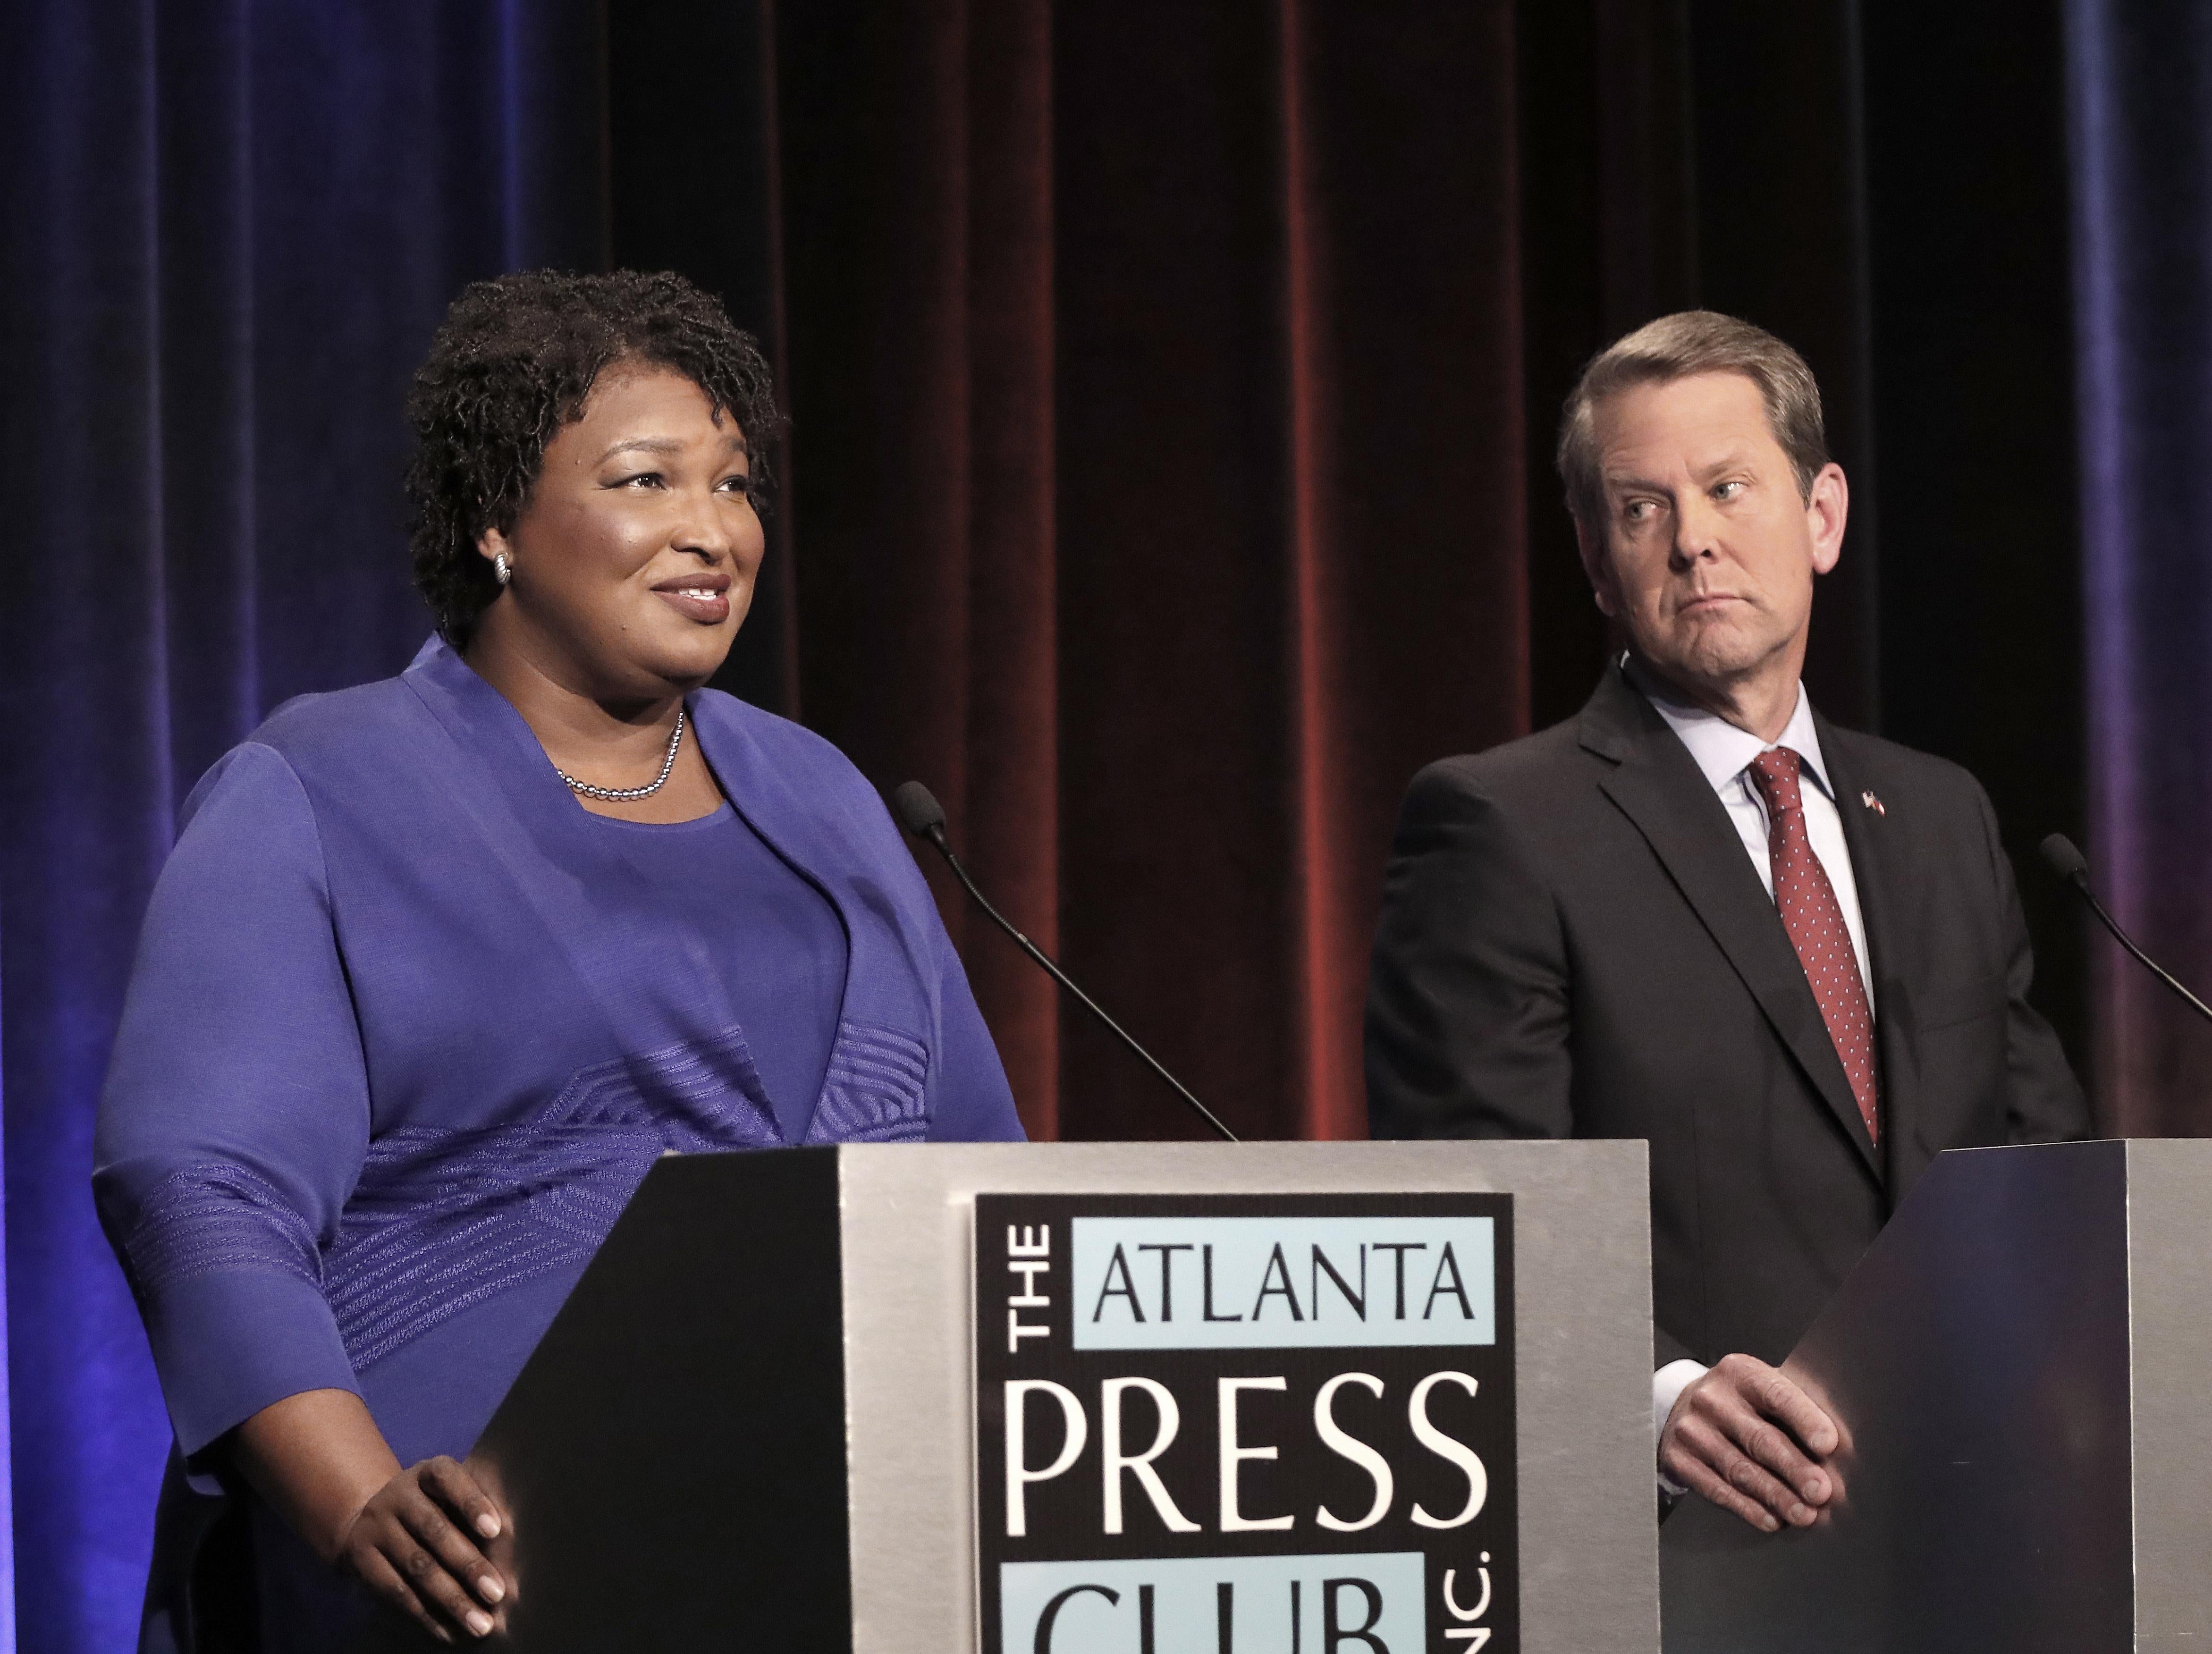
x: 415, y: 1543
x: 1742, y: 1436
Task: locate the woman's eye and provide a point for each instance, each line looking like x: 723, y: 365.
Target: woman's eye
x: 642, y: 479
x: 739, y: 484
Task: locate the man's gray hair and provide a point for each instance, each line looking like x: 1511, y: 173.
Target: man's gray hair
x: 1675, y: 347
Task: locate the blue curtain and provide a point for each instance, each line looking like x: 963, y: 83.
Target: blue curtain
x: 2139, y: 87
x: 228, y: 231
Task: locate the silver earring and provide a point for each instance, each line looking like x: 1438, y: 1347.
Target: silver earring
x: 501, y: 569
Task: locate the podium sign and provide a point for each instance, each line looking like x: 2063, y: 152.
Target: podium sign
x: 1353, y: 1398
x: 1288, y: 1420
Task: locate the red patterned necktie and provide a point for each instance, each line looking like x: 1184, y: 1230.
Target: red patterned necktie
x: 1814, y: 919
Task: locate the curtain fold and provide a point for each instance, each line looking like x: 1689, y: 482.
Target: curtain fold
x: 1009, y: 777
x: 1156, y: 372
x: 1410, y: 625
x: 2140, y: 88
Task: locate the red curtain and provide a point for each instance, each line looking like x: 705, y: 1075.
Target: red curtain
x: 1174, y: 387
x: 1159, y: 492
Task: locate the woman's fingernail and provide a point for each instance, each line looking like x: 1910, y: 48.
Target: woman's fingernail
x: 480, y: 1622
x: 487, y: 1525
x: 489, y: 1589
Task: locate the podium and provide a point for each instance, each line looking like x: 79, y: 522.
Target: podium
x: 1098, y: 1399
x: 2019, y: 1365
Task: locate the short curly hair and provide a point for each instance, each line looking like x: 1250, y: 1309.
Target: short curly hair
x: 512, y: 363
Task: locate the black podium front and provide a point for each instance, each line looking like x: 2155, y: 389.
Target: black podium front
x: 1098, y: 1399
x: 2019, y: 1365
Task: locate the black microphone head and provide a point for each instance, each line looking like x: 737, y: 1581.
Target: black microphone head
x: 2064, y: 857
x: 918, y: 808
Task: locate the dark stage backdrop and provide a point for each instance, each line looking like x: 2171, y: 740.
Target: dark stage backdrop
x: 1173, y: 390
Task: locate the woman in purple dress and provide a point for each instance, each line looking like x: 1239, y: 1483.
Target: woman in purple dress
x: 441, y: 965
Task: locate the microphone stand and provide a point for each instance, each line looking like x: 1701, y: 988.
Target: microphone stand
x: 934, y: 830
x: 2069, y: 864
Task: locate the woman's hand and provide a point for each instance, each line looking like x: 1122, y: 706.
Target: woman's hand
x: 415, y: 1543
x: 412, y: 1536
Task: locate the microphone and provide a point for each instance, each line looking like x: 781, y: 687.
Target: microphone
x: 2064, y: 857
x: 924, y: 818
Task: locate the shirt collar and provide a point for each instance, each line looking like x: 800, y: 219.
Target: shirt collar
x: 1722, y: 751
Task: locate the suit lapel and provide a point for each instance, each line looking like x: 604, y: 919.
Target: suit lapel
x: 1658, y: 787
x: 1881, y: 872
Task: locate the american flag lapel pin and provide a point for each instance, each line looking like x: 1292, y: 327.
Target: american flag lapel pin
x: 1873, y: 804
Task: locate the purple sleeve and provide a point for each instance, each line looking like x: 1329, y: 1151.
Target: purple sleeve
x: 236, y: 1116
x: 974, y: 1104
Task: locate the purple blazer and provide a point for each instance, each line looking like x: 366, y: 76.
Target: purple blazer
x: 400, y: 1044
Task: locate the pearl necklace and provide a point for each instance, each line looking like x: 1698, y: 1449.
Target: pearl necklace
x: 625, y: 795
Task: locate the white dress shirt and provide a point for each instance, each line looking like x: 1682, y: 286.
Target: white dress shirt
x: 1723, y: 752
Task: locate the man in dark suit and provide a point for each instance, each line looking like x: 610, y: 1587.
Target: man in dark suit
x: 1790, y: 955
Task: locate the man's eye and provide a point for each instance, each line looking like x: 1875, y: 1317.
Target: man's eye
x: 1728, y: 491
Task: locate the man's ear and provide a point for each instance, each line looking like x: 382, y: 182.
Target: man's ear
x: 1597, y: 564
x: 1827, y: 508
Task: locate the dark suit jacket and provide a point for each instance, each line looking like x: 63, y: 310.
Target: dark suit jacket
x: 1574, y: 943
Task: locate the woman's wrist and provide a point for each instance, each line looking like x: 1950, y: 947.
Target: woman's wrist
x: 344, y: 1510
x: 318, y: 1459
x: 415, y: 1537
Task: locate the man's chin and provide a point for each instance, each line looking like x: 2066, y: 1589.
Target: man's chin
x: 1715, y: 654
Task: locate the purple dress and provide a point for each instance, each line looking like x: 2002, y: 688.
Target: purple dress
x: 409, y: 1025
